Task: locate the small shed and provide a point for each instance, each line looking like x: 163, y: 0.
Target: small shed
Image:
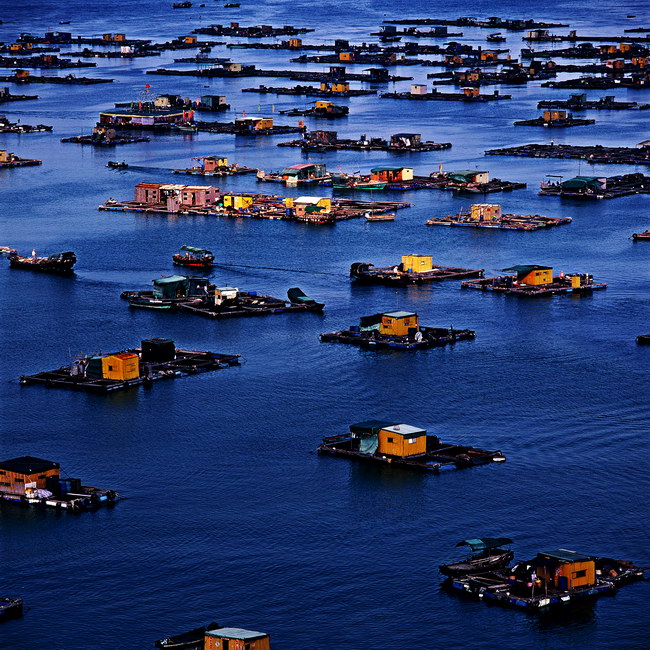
x: 303, y: 171
x: 417, y: 263
x: 402, y: 440
x: 565, y: 569
x: 398, y: 323
x: 18, y: 474
x: 533, y: 274
x: 485, y: 212
x: 365, y: 435
x: 391, y: 173
x: 469, y: 176
x: 235, y: 638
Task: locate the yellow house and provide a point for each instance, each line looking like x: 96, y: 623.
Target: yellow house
x: 533, y: 274
x: 398, y: 323
x: 565, y: 569
x: 340, y: 87
x: 190, y: 39
x: 402, y: 440
x: 237, y: 202
x: 121, y: 366
x: 417, y: 263
x: 309, y: 204
x: 295, y: 42
x: 346, y: 56
x: 485, y: 212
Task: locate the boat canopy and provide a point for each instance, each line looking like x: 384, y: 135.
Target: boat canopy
x: 295, y: 294
x: 370, y: 427
x: 485, y: 543
x: 193, y: 249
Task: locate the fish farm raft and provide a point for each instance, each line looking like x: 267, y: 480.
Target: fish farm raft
x: 551, y: 580
x: 535, y: 280
x: 398, y: 330
x: 413, y: 269
x: 155, y: 360
x: 591, y: 153
x: 487, y: 215
x: 404, y: 446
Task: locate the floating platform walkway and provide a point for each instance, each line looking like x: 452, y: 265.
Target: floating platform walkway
x: 69, y: 79
x: 436, y: 95
x: 404, y: 446
x: 310, y: 91
x: 591, y: 153
x: 484, y: 215
x: 155, y: 360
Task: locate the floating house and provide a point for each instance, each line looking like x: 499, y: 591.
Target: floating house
x: 391, y: 173
x: 310, y: 208
x: 404, y: 445
x: 298, y: 174
x: 8, y: 159
x: 399, y: 330
x: 413, y: 269
x: 234, y: 638
x: 555, y: 118
x: 34, y: 481
x: 552, y: 579
x: 536, y: 280
x: 176, y: 197
x: 253, y: 125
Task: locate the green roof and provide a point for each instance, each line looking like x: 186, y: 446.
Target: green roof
x: 399, y: 314
x: 582, y: 181
x: 172, y: 279
x: 484, y: 543
x: 236, y: 633
x: 527, y: 268
x: 389, y: 168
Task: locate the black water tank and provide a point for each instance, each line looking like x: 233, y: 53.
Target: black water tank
x: 158, y: 350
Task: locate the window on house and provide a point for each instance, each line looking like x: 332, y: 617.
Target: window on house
x: 20, y: 480
x: 579, y: 574
x: 110, y: 368
x: 390, y: 440
x: 412, y: 441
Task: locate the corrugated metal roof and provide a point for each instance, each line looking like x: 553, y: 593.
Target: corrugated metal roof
x: 399, y: 314
x: 235, y: 633
x: 406, y: 430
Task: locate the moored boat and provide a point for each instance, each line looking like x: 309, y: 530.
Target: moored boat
x: 169, y: 292
x: 643, y: 339
x: 413, y: 269
x: 390, y: 216
x: 10, y: 608
x: 58, y: 263
x: 641, y: 236
x: 298, y: 297
x: 486, y: 555
x: 192, y: 640
x: 194, y: 257
x: 117, y: 165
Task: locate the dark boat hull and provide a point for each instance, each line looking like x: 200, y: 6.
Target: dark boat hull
x: 477, y: 565
x: 63, y: 267
x: 10, y: 608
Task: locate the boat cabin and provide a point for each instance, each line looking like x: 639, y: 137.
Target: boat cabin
x: 25, y: 472
x: 180, y: 286
x: 398, y: 323
x: 417, y: 263
x: 234, y: 638
x: 303, y: 172
x: 564, y: 569
x: 390, y: 173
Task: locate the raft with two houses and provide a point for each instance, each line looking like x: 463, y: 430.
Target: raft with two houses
x: 397, y: 330
x: 550, y: 581
x: 156, y: 359
x: 403, y: 445
x: 214, y: 166
x: 413, y: 269
x: 490, y: 215
x: 536, y: 280
x: 31, y: 481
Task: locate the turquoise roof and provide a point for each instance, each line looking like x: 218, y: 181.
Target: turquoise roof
x: 235, y: 633
x: 399, y: 314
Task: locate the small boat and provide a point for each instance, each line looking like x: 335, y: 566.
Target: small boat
x: 380, y: 217
x: 495, y: 38
x: 641, y: 236
x: 232, y: 5
x: 10, y: 608
x: 186, y: 128
x: 64, y: 22
x: 169, y: 292
x: 195, y: 257
x: 192, y: 640
x: 181, y: 5
x: 113, y: 164
x: 58, y: 263
x: 298, y: 297
x: 7, y: 250
x: 643, y: 339
x: 487, y: 556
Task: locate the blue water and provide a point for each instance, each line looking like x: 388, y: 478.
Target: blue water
x: 230, y: 515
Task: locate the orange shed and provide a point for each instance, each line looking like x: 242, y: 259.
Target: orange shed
x: 533, y: 275
x: 565, y: 569
x: 402, y: 440
x: 398, y: 323
x: 234, y: 638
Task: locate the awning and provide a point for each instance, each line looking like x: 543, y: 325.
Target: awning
x: 485, y: 543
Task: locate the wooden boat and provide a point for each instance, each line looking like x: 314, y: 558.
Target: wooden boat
x: 641, y: 236
x: 117, y: 165
x: 495, y: 38
x: 194, y: 257
x: 192, y: 640
x: 350, y: 182
x: 487, y: 555
x: 168, y: 292
x: 232, y: 5
x: 380, y: 217
x: 643, y: 339
x: 298, y: 297
x: 181, y: 5
x: 10, y: 608
x: 58, y: 263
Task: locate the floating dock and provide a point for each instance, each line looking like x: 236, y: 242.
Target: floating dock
x: 399, y: 330
x: 468, y: 95
x: 14, y: 127
x: 555, y: 119
x: 593, y: 187
x: 69, y: 79
x: 45, y: 61
x: 515, y: 25
x: 398, y: 143
x: 490, y: 215
x: 591, y: 153
x: 6, y: 96
x: 156, y: 360
x: 579, y: 102
x: 404, y: 446
x: 310, y: 91
x: 533, y: 280
x: 8, y: 160
x: 413, y: 269
x: 105, y: 139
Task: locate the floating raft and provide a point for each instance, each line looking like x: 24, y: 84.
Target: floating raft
x: 580, y: 103
x: 104, y: 141
x: 641, y: 236
x: 10, y: 608
x: 515, y: 25
x: 6, y: 96
x: 587, y: 187
x: 84, y: 497
x: 439, y: 456
x: 574, y: 283
x: 436, y: 95
x: 560, y: 122
x: 185, y: 362
x: 518, y: 588
x: 505, y: 222
x: 308, y: 90
x: 15, y: 161
x: 395, y: 275
x: 68, y: 79
x: 590, y: 153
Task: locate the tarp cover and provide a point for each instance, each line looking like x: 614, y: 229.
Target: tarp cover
x: 485, y: 543
x: 171, y: 287
x: 369, y: 444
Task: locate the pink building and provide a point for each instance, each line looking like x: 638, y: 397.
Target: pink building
x: 176, y: 197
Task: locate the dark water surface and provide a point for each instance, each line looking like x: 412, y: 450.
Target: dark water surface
x: 230, y: 515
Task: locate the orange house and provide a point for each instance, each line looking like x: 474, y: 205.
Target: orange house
x: 565, y: 569
x: 17, y: 474
x: 234, y: 638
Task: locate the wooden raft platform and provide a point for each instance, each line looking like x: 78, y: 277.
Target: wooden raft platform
x: 561, y: 285
x: 366, y: 273
x: 505, y: 222
x: 86, y: 498
x: 591, y: 153
x: 431, y: 337
x: 440, y: 456
x: 186, y: 362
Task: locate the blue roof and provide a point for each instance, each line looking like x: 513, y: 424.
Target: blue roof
x: 235, y: 633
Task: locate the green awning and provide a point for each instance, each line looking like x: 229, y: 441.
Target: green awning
x: 527, y: 268
x: 485, y: 543
x: 370, y: 427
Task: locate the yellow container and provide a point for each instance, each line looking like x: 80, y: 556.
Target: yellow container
x: 417, y: 263
x: 575, y: 281
x: 121, y: 367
